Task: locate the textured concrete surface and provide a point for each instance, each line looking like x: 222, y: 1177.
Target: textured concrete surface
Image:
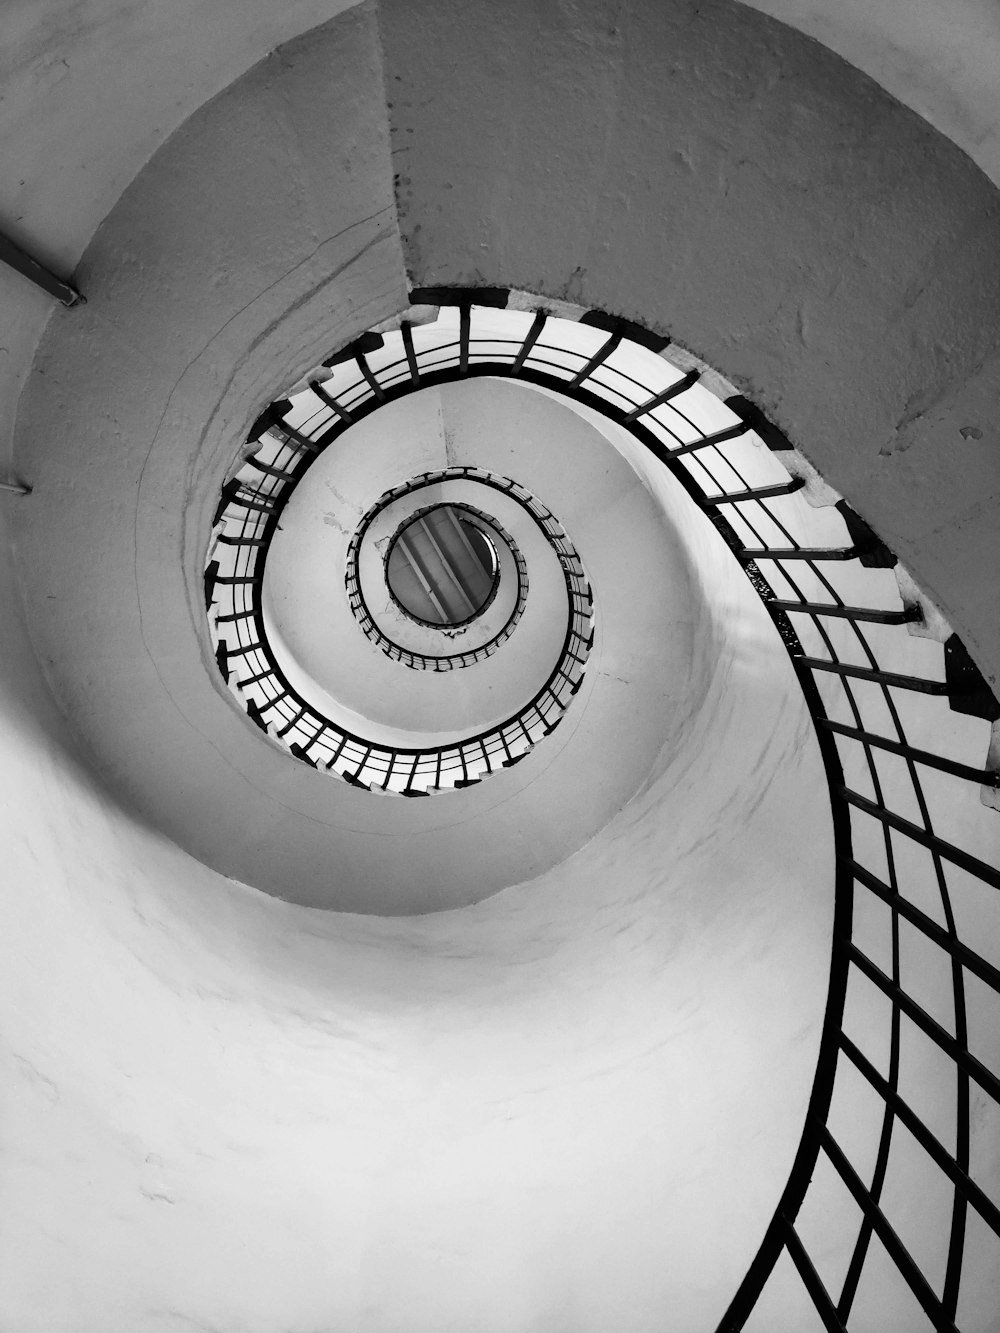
x: 224, y: 1111
x: 92, y: 91
x: 221, y: 276
x: 720, y: 178
x: 306, y: 602
x: 938, y: 57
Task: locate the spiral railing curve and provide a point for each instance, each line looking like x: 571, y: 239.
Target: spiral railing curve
x: 912, y: 796
x: 452, y: 661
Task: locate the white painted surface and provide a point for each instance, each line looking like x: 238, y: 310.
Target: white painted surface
x: 175, y: 749
x: 91, y: 91
x: 226, y: 1110
x: 939, y: 57
x: 724, y: 181
x: 91, y: 94
x: 221, y: 1110
x: 306, y: 601
x: 154, y: 384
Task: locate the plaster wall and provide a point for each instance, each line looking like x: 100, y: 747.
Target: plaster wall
x: 222, y: 1110
x: 924, y: 470
x: 139, y: 405
x: 938, y: 57
x: 92, y: 91
x: 159, y: 1016
x: 306, y: 597
x: 724, y: 181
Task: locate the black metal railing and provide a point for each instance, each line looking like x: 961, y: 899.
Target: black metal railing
x: 246, y: 519
x: 453, y: 661
x: 916, y: 919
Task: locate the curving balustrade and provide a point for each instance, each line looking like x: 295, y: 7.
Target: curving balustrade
x: 246, y: 518
x: 902, y: 718
x: 903, y: 721
x: 454, y: 661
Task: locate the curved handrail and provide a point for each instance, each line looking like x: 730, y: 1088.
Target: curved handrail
x: 852, y: 651
x: 246, y: 519
x: 362, y: 611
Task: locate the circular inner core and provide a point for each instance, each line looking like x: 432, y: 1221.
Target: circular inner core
x: 442, y: 567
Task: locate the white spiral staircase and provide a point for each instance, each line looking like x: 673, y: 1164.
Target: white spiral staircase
x: 674, y: 1004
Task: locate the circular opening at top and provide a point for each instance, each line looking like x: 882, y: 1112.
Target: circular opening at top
x: 443, y: 568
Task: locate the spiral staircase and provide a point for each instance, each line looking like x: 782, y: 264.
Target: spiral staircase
x: 586, y: 917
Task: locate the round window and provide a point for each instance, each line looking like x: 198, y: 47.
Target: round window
x: 442, y: 567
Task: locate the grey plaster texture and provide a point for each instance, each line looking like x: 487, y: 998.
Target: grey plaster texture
x: 234, y: 262
x: 224, y: 272
x: 698, y: 167
x: 306, y: 602
x: 230, y: 1112
x: 728, y: 182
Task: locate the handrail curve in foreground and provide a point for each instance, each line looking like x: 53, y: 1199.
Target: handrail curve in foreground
x: 915, y: 841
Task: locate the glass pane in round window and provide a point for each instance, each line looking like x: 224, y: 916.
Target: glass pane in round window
x: 442, y: 567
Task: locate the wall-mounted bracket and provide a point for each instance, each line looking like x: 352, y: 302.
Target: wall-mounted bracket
x: 16, y: 258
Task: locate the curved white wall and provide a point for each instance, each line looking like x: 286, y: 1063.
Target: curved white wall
x: 73, y: 138
x: 724, y: 181
x: 936, y: 59
x: 155, y: 381
x: 226, y: 1110
x: 306, y: 599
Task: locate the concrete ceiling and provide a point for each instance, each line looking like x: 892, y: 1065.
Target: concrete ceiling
x: 939, y: 57
x: 238, y: 1114
x: 273, y: 208
x: 93, y: 87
